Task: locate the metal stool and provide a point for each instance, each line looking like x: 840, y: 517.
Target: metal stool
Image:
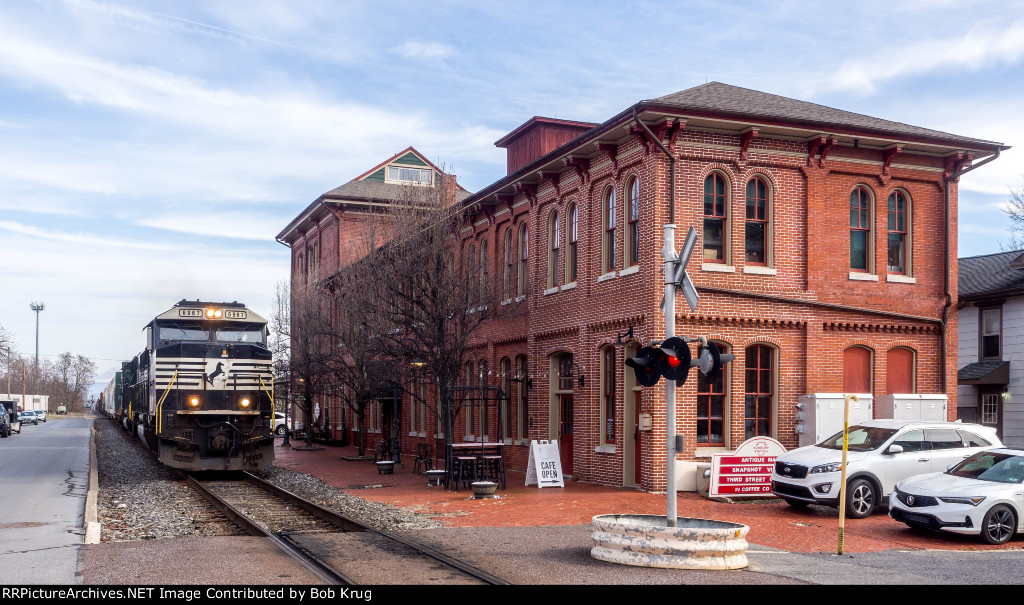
x: 465, y: 470
x: 493, y: 469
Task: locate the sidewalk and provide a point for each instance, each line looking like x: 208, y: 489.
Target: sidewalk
x: 772, y: 523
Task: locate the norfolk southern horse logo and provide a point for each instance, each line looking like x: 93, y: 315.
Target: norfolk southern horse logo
x: 219, y: 376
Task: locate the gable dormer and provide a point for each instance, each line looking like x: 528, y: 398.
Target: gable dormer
x: 406, y: 168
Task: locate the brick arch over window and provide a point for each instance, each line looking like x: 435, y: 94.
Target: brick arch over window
x: 631, y: 212
x: 858, y: 363
x: 716, y: 199
x: 862, y: 249
x: 900, y: 370
x: 760, y: 361
x: 899, y: 236
x: 609, y: 223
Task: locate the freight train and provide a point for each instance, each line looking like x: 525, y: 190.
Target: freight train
x: 200, y: 394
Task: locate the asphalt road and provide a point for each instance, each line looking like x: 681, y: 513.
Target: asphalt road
x: 44, y: 476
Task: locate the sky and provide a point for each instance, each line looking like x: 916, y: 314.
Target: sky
x: 151, y: 151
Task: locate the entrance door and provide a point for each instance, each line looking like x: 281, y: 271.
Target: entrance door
x: 565, y: 431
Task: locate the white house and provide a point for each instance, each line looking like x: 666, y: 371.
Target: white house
x: 990, y: 375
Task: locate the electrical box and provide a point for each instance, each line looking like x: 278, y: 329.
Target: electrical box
x: 645, y: 422
x: 913, y: 406
x: 823, y: 415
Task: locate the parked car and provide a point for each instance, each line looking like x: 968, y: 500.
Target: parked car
x: 980, y: 496
x: 27, y: 416
x: 279, y: 424
x: 41, y: 415
x: 11, y: 422
x: 879, y: 454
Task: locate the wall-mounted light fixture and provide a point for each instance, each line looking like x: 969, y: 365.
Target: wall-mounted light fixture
x: 578, y: 369
x: 619, y: 342
x: 522, y: 378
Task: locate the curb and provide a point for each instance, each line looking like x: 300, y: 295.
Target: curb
x: 92, y: 525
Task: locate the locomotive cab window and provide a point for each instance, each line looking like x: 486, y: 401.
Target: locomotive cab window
x: 171, y: 332
x: 247, y: 334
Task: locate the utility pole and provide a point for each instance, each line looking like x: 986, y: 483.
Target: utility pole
x: 37, y: 307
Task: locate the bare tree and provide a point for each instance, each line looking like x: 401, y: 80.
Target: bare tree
x: 435, y: 294
x: 306, y: 327
x: 1014, y: 209
x: 70, y: 378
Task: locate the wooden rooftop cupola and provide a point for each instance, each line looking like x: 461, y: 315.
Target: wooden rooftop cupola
x: 537, y: 137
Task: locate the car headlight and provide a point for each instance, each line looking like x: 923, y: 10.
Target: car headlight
x: 973, y: 501
x: 833, y: 467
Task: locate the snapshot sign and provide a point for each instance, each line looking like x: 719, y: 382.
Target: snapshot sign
x: 747, y: 471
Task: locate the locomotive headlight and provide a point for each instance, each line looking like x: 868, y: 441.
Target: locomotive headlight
x: 193, y: 401
x: 245, y: 403
x: 214, y: 313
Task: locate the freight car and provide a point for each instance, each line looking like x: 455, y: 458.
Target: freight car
x: 200, y: 394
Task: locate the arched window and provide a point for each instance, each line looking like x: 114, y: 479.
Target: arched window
x: 506, y: 403
x: 759, y: 391
x: 860, y: 229
x: 610, y: 212
x: 899, y: 225
x: 554, y: 243
x: 572, y: 234
x: 470, y: 268
x: 757, y: 233
x: 467, y: 402
x: 633, y: 219
x: 524, y: 252
x: 715, y: 218
x: 484, y: 270
x: 608, y: 394
x: 509, y: 268
x: 481, y: 424
x: 522, y: 400
x: 711, y: 398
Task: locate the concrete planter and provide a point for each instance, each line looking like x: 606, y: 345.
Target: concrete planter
x: 484, y: 489
x: 647, y: 541
x: 386, y: 467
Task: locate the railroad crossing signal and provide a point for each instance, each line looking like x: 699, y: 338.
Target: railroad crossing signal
x: 673, y: 360
x: 680, y: 278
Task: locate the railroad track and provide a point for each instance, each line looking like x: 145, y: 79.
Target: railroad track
x: 337, y: 550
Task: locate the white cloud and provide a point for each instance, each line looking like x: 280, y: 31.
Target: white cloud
x: 981, y: 47
x: 427, y: 51
x: 78, y: 238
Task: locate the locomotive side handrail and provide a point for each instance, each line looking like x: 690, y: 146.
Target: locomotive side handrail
x: 160, y: 404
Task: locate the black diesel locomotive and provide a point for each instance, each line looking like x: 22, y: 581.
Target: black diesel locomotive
x: 200, y: 394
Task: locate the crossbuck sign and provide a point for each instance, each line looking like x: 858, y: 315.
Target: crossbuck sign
x: 681, y: 279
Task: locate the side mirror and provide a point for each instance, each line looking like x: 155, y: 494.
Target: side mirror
x: 894, y: 449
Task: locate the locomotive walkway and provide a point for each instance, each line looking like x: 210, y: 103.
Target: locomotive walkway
x: 772, y: 523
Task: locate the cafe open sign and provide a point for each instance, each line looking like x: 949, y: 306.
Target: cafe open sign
x: 747, y: 471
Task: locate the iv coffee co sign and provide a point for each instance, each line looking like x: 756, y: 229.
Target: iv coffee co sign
x: 747, y: 471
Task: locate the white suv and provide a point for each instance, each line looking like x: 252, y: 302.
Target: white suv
x: 879, y: 453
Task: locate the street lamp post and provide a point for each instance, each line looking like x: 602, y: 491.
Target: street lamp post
x: 37, y: 307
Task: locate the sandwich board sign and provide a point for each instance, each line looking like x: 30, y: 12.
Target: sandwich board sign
x: 747, y: 471
x: 545, y: 466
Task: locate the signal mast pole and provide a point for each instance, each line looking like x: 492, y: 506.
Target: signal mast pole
x: 669, y: 253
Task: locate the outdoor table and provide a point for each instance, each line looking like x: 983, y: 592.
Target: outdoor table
x: 479, y: 450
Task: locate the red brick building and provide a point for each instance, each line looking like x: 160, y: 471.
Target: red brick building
x: 824, y: 262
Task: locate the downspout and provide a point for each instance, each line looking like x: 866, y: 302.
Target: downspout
x: 949, y: 295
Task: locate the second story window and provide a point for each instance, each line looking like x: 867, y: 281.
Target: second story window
x: 860, y: 229
x: 524, y: 252
x: 484, y: 270
x: 510, y: 259
x: 633, y: 216
x: 572, y: 232
x: 554, y: 240
x: 714, y: 218
x: 757, y: 222
x: 991, y: 328
x: 897, y: 225
x: 610, y: 220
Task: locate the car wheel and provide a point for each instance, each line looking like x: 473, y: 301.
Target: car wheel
x: 280, y: 430
x: 796, y: 503
x: 860, y: 498
x: 999, y: 525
